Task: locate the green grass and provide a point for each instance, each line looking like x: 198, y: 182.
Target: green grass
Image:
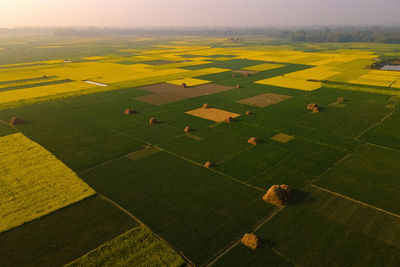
x: 63, y: 236
x: 197, y: 210
x: 369, y: 175
x: 205, y: 149
x: 251, y: 162
x: 86, y: 145
x: 6, y: 129
x: 321, y: 229
x: 305, y: 161
x: 137, y: 247
x: 154, y: 134
x: 387, y: 133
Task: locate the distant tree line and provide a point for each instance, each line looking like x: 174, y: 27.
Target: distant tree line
x: 349, y: 34
x: 309, y: 34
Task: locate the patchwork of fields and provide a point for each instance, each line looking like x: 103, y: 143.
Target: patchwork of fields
x: 93, y: 172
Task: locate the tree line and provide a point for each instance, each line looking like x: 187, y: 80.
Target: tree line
x: 349, y: 34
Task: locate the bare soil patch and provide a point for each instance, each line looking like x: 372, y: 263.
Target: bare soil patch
x: 282, y: 138
x: 245, y: 72
x: 193, y: 136
x: 264, y: 100
x: 164, y: 93
x: 212, y: 114
x: 148, y: 151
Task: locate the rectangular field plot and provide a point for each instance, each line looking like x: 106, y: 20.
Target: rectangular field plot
x: 370, y: 174
x: 188, y: 81
x: 321, y: 229
x: 282, y: 138
x: 264, y: 100
x: 164, y: 93
x: 251, y: 162
x: 204, y: 149
x: 245, y: 72
x: 64, y: 235
x: 86, y: 145
x: 139, y: 247
x: 347, y: 122
x: 34, y: 182
x: 387, y: 133
x: 197, y: 210
x: 305, y: 161
x: 264, y: 67
x: 292, y: 83
x: 43, y: 91
x: 212, y: 114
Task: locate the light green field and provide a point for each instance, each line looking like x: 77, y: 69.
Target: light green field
x: 137, y: 247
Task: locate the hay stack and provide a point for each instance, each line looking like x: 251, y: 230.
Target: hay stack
x: 251, y: 241
x: 129, y: 111
x: 340, y: 99
x: 208, y: 164
x: 152, y: 121
x: 184, y: 85
x: 253, y: 141
x: 237, y: 86
x: 187, y: 129
x: 229, y: 120
x: 278, y: 195
x: 311, y: 106
x: 205, y: 106
x: 248, y: 112
x: 315, y: 110
x: 15, y: 121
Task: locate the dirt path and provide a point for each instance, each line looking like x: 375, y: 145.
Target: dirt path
x: 373, y: 125
x: 189, y: 262
x: 356, y: 201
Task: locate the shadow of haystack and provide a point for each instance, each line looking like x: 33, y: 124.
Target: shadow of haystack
x: 266, y: 243
x: 300, y: 197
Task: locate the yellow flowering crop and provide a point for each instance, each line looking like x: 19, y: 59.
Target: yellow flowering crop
x: 316, y: 73
x: 42, y: 91
x: 189, y: 81
x: 293, y: 83
x: 94, y: 58
x: 264, y: 67
x: 33, y: 182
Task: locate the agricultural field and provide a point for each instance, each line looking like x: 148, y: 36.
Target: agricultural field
x: 157, y: 151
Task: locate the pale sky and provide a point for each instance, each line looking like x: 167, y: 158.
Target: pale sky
x: 139, y: 13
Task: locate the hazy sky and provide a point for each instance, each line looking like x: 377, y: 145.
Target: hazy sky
x: 132, y: 13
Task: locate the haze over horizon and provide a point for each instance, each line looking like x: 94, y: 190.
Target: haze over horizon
x: 157, y: 13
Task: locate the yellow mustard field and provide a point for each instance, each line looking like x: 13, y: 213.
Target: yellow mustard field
x: 293, y: 83
x: 264, y: 67
x: 43, y: 91
x: 189, y: 82
x: 136, y: 69
x: 34, y: 182
x: 316, y: 73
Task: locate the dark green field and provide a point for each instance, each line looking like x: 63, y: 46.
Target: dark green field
x: 62, y: 236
